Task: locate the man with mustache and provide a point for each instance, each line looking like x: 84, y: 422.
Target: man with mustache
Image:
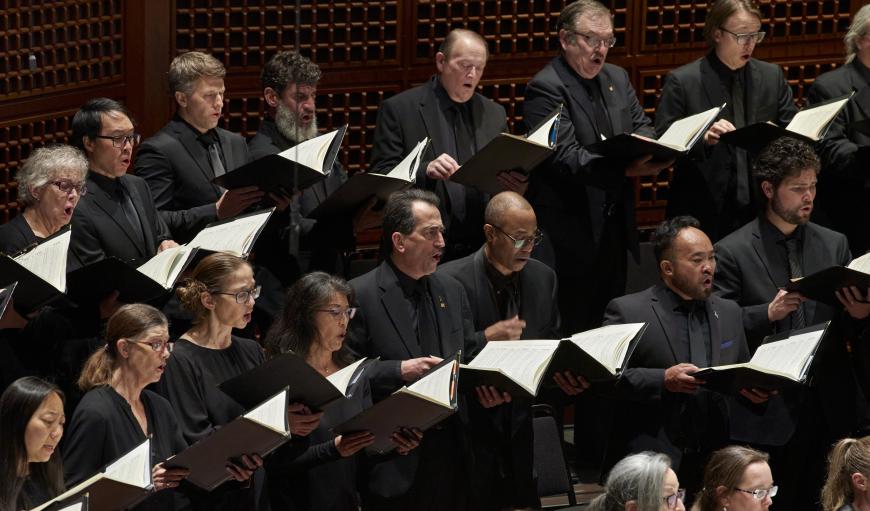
x: 754, y: 265
x: 289, y: 82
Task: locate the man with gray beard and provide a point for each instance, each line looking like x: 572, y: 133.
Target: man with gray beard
x: 289, y: 83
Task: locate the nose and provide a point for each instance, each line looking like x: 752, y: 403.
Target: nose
x: 56, y: 433
x: 439, y: 241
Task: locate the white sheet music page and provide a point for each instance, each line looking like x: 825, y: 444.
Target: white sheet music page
x: 435, y: 385
x: 522, y: 360
x: 607, y: 344
x: 165, y: 266
x: 681, y: 133
x: 311, y: 153
x: 810, y: 122
x: 406, y: 170
x: 541, y: 135
x: 272, y: 413
x: 787, y: 356
x: 235, y: 237
x: 133, y: 468
x: 48, y: 260
x: 861, y: 264
x: 341, y: 378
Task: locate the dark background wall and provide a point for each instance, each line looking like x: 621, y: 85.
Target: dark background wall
x: 55, y: 55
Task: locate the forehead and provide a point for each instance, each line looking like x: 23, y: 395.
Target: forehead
x: 425, y: 214
x: 115, y: 121
x: 757, y: 474
x: 467, y: 48
x: 337, y: 298
x: 742, y: 21
x: 671, y: 482
x: 242, y: 276
x: 293, y: 89
x: 208, y: 84
x: 519, y: 219
x: 160, y: 331
x: 691, y: 240
x: 51, y: 404
x: 594, y: 22
x: 805, y: 177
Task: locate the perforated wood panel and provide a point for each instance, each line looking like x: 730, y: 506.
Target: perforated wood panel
x: 49, y: 45
x: 247, y: 33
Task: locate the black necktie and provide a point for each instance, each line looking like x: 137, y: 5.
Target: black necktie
x: 741, y: 166
x: 795, y: 270
x: 426, y: 326
x: 697, y: 337
x: 209, y: 141
x: 463, y: 141
x: 599, y: 108
x: 123, y: 197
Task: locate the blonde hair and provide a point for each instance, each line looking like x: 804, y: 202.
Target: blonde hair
x: 848, y: 456
x: 128, y: 322
x: 725, y: 468
x: 189, y: 67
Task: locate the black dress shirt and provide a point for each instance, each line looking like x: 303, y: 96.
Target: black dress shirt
x: 693, y: 329
x: 422, y: 310
x: 506, y: 289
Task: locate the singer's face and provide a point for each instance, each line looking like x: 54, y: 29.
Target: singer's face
x: 44, y: 430
x: 515, y: 223
x: 577, y: 44
x: 202, y: 107
x: 460, y: 72
x: 420, y: 250
x: 103, y: 156
x: 692, y: 264
x: 732, y: 53
x: 793, y: 198
x: 331, y: 323
x: 299, y: 99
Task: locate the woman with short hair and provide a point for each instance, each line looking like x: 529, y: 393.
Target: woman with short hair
x: 641, y: 482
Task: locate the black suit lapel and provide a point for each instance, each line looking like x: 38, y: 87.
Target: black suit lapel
x: 712, y: 89
x: 753, y: 94
x: 396, y: 308
x: 664, y: 321
x: 758, y: 246
x: 430, y: 116
x: 715, y: 332
x: 858, y: 84
x: 813, y: 252
x: 487, y: 312
x: 577, y: 93
x: 146, y: 222
x: 614, y: 103
x: 195, y: 150
x: 103, y: 201
x: 233, y: 160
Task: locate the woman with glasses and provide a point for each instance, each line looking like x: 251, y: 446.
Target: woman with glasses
x: 641, y: 482
x: 713, y: 182
x: 737, y: 479
x: 117, y: 413
x: 321, y: 473
x: 848, y: 485
x: 31, y: 426
x: 220, y: 294
x: 117, y: 218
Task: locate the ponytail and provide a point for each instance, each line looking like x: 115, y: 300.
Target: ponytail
x: 847, y: 457
x: 97, y: 370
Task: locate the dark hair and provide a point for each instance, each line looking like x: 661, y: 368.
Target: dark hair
x: 455, y: 35
x: 288, y: 67
x: 295, y: 330
x: 667, y: 231
x: 399, y: 214
x: 88, y: 121
x: 568, y: 16
x: 17, y: 405
x: 208, y: 277
x: 847, y: 457
x: 128, y: 322
x: 721, y: 10
x: 726, y: 468
x: 782, y: 158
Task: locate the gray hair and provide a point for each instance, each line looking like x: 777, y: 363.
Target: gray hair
x: 43, y: 166
x: 857, y: 30
x: 638, y: 477
x: 573, y: 11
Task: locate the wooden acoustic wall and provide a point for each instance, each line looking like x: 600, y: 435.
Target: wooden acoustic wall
x: 54, y: 55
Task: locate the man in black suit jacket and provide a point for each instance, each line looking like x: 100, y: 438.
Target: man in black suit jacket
x: 458, y: 121
x: 687, y: 328
x: 513, y: 297
x: 289, y: 82
x: 845, y: 151
x: 584, y: 202
x: 117, y: 217
x: 411, y: 317
x: 180, y: 161
x: 755, y: 264
x: 713, y: 182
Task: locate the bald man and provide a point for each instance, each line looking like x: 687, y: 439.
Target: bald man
x: 512, y: 297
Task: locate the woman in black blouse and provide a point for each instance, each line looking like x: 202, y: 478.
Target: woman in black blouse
x: 322, y: 474
x: 220, y: 293
x: 31, y: 425
x: 117, y: 413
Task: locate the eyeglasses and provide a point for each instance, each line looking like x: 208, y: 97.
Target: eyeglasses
x: 119, y: 141
x: 523, y: 242
x: 156, y: 346
x: 338, y: 312
x: 745, y: 39
x: 761, y: 493
x: 66, y: 186
x: 671, y: 500
x: 242, y: 296
x: 594, y: 41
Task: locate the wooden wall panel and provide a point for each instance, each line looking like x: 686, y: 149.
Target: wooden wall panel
x: 368, y: 49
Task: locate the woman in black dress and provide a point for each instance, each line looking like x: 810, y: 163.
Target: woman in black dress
x: 31, y: 425
x: 117, y: 413
x: 220, y: 293
x: 322, y: 475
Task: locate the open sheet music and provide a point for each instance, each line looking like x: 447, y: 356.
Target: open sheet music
x: 519, y: 367
x: 509, y: 153
x: 822, y: 285
x: 364, y: 185
x: 781, y: 361
x: 259, y: 431
x: 235, y: 235
x: 122, y: 484
x: 422, y: 404
x: 40, y: 271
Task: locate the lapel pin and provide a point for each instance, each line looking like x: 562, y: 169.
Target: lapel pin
x: 716, y: 313
x: 441, y: 303
x: 610, y: 87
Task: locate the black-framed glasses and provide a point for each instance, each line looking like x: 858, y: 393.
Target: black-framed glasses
x: 242, y: 296
x: 66, y: 186
x: 337, y: 312
x: 671, y: 500
x: 119, y: 141
x: 156, y: 346
x: 594, y: 41
x: 745, y: 39
x: 761, y: 493
x: 523, y: 242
